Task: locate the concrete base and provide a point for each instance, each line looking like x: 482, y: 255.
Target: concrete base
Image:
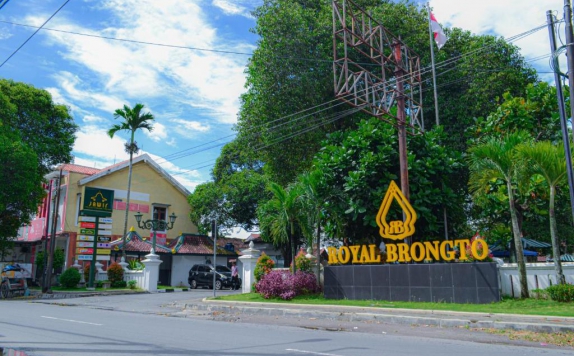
x: 475, y: 283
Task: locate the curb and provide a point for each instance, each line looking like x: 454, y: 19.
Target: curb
x: 416, y: 317
x: 172, y: 290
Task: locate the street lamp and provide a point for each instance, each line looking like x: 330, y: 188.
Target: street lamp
x: 155, y: 224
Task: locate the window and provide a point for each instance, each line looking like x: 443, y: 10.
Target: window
x: 159, y: 213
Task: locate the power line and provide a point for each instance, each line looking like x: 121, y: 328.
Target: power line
x: 3, y: 3
x: 35, y: 32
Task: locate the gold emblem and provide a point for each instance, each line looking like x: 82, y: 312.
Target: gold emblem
x: 396, y: 230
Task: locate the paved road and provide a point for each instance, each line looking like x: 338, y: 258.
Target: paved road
x: 141, y: 324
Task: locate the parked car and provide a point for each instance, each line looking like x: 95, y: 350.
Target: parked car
x: 202, y: 275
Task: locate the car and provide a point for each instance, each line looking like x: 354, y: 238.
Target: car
x: 202, y: 275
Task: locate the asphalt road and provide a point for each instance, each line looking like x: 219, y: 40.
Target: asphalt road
x: 151, y: 324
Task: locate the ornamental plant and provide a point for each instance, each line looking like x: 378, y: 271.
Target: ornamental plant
x: 284, y: 285
x: 70, y: 278
x: 302, y: 262
x: 116, y: 275
x: 563, y: 293
x: 263, y: 266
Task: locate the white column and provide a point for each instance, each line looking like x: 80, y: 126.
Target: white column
x: 151, y: 263
x: 249, y: 260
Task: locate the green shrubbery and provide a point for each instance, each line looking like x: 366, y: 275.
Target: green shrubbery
x: 561, y: 292
x: 116, y: 275
x: 303, y: 263
x: 263, y: 266
x: 70, y: 278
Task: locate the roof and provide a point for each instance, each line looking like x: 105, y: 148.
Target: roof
x: 75, y: 168
x: 528, y: 243
x: 253, y: 237
x: 197, y: 245
x: 145, y: 158
x: 238, y: 244
x: 135, y: 243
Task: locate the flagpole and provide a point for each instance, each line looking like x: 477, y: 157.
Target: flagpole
x: 431, y: 37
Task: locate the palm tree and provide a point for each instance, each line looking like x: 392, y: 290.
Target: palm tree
x: 134, y: 120
x: 549, y: 161
x: 280, y: 216
x: 497, y: 158
x: 312, y: 204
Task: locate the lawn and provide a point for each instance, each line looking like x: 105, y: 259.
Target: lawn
x: 506, y: 306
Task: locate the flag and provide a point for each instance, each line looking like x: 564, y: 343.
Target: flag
x: 439, y: 36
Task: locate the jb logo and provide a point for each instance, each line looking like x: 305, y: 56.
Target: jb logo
x: 396, y: 229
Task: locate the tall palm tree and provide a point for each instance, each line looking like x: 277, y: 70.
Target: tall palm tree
x: 497, y: 158
x: 281, y: 215
x: 133, y: 120
x: 549, y: 161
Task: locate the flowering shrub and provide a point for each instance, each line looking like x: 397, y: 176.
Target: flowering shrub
x: 561, y: 292
x: 116, y: 275
x: 303, y: 263
x: 263, y: 266
x: 284, y: 285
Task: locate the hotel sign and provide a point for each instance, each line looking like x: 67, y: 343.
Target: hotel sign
x: 402, y: 252
x: 98, y: 200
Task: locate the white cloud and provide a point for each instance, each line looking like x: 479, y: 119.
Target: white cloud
x: 94, y: 142
x: 183, y: 127
x: 230, y: 8
x: 158, y: 134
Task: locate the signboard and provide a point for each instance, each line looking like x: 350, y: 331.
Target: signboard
x: 85, y: 238
x: 105, y: 232
x: 398, y: 229
x: 104, y: 239
x: 89, y: 257
x: 87, y: 231
x: 98, y: 200
x: 104, y: 245
x: 84, y: 244
x: 106, y: 220
x: 88, y: 218
x: 103, y: 251
x: 88, y: 225
x: 83, y: 251
x: 104, y: 226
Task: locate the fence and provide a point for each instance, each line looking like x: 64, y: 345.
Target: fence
x: 538, y: 275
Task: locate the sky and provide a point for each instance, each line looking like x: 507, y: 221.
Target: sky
x: 185, y: 61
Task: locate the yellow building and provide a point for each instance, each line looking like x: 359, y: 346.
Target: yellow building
x: 154, y: 193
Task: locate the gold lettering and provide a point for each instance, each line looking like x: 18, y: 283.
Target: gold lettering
x: 431, y: 248
x: 355, y: 253
x: 392, y: 253
x: 417, y: 257
x: 332, y: 255
x: 474, y: 249
x: 404, y: 253
x: 374, y: 258
x: 396, y: 227
x: 462, y: 244
x: 365, y: 255
x: 447, y: 255
x: 344, y: 255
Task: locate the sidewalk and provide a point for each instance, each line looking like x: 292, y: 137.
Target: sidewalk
x: 386, y: 315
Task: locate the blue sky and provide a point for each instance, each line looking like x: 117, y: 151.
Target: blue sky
x: 193, y: 94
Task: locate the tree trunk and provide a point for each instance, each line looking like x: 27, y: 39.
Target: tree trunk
x: 517, y: 243
x: 293, y: 247
x: 319, y: 252
x: 554, y: 236
x: 127, y: 206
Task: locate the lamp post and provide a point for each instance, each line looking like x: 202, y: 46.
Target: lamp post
x: 155, y: 224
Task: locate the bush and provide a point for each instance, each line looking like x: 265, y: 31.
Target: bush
x: 284, y: 285
x: 135, y: 265
x: 115, y: 274
x: 561, y: 292
x: 99, y: 284
x: 58, y: 261
x: 263, y: 266
x: 303, y: 263
x: 70, y: 278
x: 132, y: 284
x: 119, y: 284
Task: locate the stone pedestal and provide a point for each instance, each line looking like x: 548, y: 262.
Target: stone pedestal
x: 249, y: 260
x: 151, y: 277
x: 123, y: 263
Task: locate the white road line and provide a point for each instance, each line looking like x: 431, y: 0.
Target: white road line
x: 311, y: 352
x: 71, y: 321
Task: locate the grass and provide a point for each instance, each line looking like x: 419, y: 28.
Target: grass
x: 530, y: 306
x: 62, y: 289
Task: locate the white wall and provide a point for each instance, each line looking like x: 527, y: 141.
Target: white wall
x: 182, y: 264
x: 538, y: 275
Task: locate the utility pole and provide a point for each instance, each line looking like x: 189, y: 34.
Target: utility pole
x: 48, y: 285
x: 46, y: 232
x: 562, y: 111
x: 214, y: 235
x: 570, y: 53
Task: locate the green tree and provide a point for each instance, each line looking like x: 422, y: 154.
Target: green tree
x: 497, y: 158
x: 133, y: 120
x: 281, y: 217
x: 549, y: 161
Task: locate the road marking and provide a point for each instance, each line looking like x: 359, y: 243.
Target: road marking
x: 71, y: 321
x: 311, y: 352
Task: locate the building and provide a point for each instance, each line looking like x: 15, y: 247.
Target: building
x: 154, y: 193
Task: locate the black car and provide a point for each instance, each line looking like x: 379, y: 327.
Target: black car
x: 202, y: 275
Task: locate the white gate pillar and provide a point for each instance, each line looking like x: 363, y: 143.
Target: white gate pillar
x: 249, y: 260
x: 151, y: 277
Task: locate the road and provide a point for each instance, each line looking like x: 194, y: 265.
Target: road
x: 145, y: 324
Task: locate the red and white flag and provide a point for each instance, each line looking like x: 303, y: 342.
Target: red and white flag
x: 439, y: 36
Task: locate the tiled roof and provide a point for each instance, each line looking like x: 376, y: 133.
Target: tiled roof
x: 79, y: 169
x: 196, y: 244
x: 253, y: 237
x: 238, y: 244
x: 135, y: 243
